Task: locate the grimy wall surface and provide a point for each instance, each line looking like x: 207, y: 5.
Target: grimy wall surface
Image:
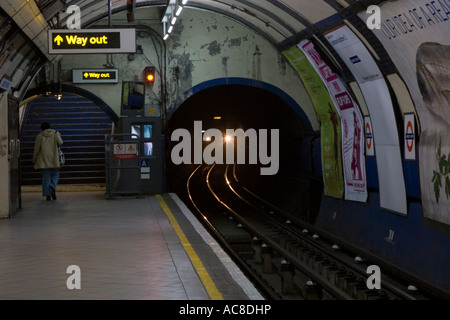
x: 204, y: 48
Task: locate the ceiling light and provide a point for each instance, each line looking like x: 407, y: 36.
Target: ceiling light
x: 172, y: 12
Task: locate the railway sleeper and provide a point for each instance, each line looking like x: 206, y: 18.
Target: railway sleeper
x: 329, y: 272
x: 349, y: 281
x: 266, y: 254
x: 312, y: 291
x: 287, y: 272
x: 292, y: 246
x: 321, y: 266
x: 256, y: 245
x: 325, y: 270
x: 310, y: 258
x: 316, y: 263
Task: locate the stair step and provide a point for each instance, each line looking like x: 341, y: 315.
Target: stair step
x: 83, y: 126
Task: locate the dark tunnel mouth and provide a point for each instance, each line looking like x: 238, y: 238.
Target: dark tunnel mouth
x: 245, y: 107
x: 70, y: 89
x: 252, y: 104
x: 238, y: 107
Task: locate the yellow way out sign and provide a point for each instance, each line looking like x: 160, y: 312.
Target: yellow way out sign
x: 95, y: 75
x: 71, y: 41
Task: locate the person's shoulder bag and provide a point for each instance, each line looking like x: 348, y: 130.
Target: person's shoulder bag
x: 62, y: 158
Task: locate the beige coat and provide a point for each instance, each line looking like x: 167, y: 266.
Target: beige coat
x: 45, y: 154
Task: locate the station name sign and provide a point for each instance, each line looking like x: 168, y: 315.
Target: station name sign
x: 95, y: 75
x: 72, y: 41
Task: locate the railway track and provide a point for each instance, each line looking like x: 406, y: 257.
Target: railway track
x: 288, y: 258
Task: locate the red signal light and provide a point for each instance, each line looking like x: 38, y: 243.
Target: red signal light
x: 150, y: 78
x: 149, y: 74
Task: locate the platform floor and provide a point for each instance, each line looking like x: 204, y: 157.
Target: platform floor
x: 126, y: 249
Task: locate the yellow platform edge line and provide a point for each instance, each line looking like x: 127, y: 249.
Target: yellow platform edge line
x: 208, y: 283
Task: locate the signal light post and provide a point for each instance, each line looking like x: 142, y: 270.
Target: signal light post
x: 149, y: 75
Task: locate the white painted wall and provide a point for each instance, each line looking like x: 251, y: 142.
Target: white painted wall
x: 204, y: 46
x: 207, y: 46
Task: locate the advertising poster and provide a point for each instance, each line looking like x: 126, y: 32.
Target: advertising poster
x: 330, y: 128
x: 352, y: 123
x: 416, y: 35
x: 378, y: 100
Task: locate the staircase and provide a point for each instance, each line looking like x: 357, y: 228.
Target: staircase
x: 82, y: 125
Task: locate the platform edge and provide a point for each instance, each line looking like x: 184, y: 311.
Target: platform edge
x: 230, y: 265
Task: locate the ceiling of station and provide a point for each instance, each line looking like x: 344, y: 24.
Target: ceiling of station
x: 281, y: 22
x: 275, y: 20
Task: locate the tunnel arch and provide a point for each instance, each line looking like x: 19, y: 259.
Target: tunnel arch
x: 82, y: 119
x: 250, y: 106
x: 66, y: 88
x: 244, y: 82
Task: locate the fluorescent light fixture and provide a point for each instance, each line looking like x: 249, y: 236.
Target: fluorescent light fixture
x: 171, y: 15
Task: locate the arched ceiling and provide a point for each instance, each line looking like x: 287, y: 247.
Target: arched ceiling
x: 283, y: 23
x: 277, y: 21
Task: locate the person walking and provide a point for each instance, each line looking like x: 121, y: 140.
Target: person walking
x: 46, y: 159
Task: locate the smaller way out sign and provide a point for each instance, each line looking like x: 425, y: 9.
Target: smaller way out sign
x: 95, y: 75
x: 72, y: 41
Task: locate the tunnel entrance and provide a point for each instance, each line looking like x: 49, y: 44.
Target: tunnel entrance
x: 245, y: 107
x: 82, y: 124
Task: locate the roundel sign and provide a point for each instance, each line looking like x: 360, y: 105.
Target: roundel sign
x: 410, y: 148
x: 370, y: 151
x: 409, y: 137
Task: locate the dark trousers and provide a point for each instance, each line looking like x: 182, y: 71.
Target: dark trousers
x: 50, y: 178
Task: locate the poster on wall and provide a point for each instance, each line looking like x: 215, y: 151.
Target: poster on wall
x: 415, y: 33
x: 352, y: 129
x: 330, y: 129
x: 381, y: 110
